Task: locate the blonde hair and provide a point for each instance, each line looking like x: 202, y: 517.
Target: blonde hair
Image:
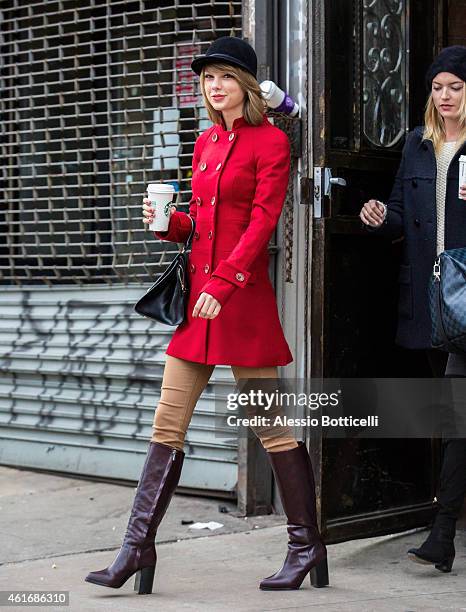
x: 254, y: 105
x: 434, y: 124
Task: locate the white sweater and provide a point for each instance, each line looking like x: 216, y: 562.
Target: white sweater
x: 444, y: 158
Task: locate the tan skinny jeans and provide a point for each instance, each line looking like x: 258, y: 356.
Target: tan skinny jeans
x: 182, y: 384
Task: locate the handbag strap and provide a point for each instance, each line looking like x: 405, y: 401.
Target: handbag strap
x: 187, y: 244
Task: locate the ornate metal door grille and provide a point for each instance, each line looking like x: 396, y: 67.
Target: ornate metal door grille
x: 384, y: 52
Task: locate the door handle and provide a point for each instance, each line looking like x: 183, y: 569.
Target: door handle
x: 338, y: 181
x: 323, y: 181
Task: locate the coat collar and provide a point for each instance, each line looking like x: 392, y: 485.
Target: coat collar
x: 239, y: 123
x: 427, y: 144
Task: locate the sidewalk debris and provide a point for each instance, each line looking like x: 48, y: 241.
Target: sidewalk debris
x: 210, y: 525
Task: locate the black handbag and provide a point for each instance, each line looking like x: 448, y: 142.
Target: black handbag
x: 447, y: 294
x: 166, y: 300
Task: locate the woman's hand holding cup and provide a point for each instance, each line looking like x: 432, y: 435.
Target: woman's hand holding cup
x: 149, y: 212
x: 372, y: 213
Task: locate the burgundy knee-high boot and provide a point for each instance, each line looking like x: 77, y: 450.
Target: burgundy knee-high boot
x: 306, y: 551
x: 157, y: 483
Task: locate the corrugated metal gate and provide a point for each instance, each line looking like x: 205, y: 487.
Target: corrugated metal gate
x: 97, y: 100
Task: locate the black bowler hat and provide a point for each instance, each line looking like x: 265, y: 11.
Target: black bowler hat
x: 229, y: 50
x: 451, y: 59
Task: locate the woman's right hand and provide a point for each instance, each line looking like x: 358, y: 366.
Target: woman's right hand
x: 372, y: 213
x: 149, y: 212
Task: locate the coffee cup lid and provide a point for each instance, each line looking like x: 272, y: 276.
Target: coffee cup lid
x: 160, y: 187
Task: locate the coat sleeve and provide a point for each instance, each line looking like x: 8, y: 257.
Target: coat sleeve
x: 393, y: 226
x: 180, y: 225
x: 272, y: 159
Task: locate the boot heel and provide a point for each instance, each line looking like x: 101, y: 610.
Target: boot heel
x: 319, y: 574
x: 446, y: 565
x: 144, y: 580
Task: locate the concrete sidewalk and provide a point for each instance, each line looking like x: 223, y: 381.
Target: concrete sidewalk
x: 54, y: 530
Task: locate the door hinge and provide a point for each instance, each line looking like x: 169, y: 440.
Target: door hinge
x: 306, y: 191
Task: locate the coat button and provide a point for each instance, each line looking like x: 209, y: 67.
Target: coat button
x: 215, y: 137
x: 198, y: 201
x: 417, y: 222
x: 414, y: 183
x: 231, y: 136
x: 193, y: 268
x: 239, y: 276
x: 218, y: 166
x: 196, y: 235
x: 206, y: 268
x: 203, y: 166
x: 212, y: 201
x: 209, y: 235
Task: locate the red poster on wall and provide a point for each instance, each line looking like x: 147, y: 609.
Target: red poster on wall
x: 184, y: 78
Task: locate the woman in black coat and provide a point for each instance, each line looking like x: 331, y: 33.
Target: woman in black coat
x: 429, y: 212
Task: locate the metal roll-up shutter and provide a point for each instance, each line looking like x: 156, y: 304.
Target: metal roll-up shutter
x: 97, y: 100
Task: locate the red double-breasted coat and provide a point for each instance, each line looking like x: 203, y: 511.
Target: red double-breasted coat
x: 239, y: 184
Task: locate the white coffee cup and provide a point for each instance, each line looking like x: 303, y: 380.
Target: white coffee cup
x: 462, y: 173
x: 161, y: 197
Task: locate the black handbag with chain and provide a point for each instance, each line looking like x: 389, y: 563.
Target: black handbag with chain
x: 165, y: 301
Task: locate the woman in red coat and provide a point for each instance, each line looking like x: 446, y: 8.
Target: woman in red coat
x: 240, y: 176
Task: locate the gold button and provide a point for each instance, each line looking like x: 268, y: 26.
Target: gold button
x: 239, y: 276
x: 203, y: 166
x: 209, y: 235
x: 215, y: 137
x: 196, y: 235
x: 218, y: 166
x: 206, y: 268
x: 231, y: 136
x: 193, y: 268
x: 212, y: 201
x: 198, y: 201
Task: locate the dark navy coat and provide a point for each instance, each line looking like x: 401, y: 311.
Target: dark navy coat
x: 412, y: 214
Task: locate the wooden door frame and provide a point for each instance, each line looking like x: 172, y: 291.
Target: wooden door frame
x: 371, y: 523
